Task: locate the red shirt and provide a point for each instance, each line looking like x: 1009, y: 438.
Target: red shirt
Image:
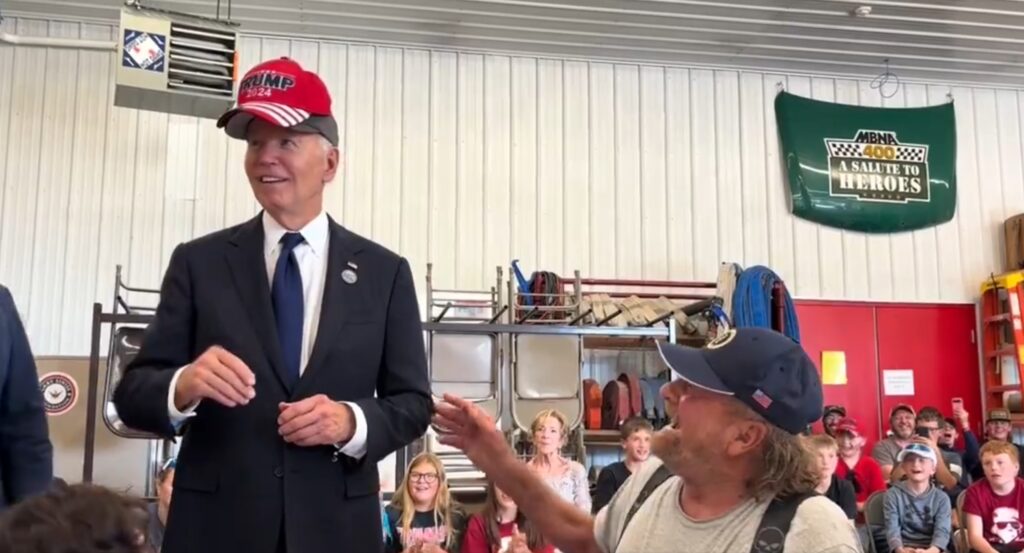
x: 867, y: 477
x: 1000, y: 514
x: 475, y: 539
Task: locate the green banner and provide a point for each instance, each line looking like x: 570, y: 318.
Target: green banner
x: 868, y: 169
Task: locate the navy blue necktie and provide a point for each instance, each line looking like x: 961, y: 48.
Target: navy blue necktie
x: 286, y: 293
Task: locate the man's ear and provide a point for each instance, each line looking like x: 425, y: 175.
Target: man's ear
x: 333, y: 164
x: 746, y: 435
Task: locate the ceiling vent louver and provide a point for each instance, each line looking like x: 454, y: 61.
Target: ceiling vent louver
x: 174, y: 63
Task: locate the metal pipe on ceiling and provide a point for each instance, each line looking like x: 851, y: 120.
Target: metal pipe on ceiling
x: 52, y: 42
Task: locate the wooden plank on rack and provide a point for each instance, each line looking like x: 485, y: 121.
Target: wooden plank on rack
x: 599, y: 307
x: 630, y: 311
x: 622, y: 319
x: 648, y: 311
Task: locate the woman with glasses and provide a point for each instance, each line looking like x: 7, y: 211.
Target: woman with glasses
x: 422, y: 517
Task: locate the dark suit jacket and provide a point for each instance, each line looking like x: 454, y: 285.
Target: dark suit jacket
x: 26, y: 456
x: 237, y: 482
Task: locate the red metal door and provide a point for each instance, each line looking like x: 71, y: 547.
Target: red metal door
x: 937, y: 343
x: 849, y: 328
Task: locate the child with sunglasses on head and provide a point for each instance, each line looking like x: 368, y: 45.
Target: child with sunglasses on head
x: 918, y: 515
x: 422, y: 517
x: 501, y: 528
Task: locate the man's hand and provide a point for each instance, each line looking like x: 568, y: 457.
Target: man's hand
x: 217, y: 374
x: 464, y: 425
x: 314, y: 421
x: 932, y: 444
x: 963, y: 416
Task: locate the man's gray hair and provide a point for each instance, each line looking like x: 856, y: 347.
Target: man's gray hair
x: 324, y: 143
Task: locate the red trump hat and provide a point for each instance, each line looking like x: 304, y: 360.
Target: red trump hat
x: 284, y: 94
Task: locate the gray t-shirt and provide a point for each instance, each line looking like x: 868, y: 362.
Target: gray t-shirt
x: 886, y: 451
x: 660, y: 526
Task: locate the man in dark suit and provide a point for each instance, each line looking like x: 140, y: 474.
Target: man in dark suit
x: 26, y: 456
x: 268, y: 347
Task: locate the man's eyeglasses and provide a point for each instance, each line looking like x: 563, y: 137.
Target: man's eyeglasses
x: 428, y: 477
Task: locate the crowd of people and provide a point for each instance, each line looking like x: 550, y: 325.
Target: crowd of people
x: 913, y: 491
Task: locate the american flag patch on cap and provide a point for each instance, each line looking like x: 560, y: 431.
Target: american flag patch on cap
x: 762, y: 398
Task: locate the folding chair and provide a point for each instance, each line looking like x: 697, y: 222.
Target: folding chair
x: 874, y: 520
x: 960, y: 540
x: 124, y: 346
x: 546, y: 375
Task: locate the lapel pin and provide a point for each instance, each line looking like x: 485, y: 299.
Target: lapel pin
x: 349, y: 276
x: 353, y: 265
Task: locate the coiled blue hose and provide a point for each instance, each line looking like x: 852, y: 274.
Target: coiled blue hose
x: 752, y: 301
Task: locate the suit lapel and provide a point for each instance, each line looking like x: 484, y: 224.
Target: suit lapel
x: 342, y: 248
x: 249, y: 271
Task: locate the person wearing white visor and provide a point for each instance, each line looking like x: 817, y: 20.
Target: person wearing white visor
x: 917, y: 513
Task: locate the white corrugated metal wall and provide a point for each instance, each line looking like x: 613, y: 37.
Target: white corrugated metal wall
x: 469, y: 160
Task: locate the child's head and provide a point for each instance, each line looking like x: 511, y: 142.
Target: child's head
x: 424, y: 488
x: 831, y: 417
x: 949, y: 434
x: 827, y: 452
x: 501, y: 500
x: 80, y: 517
x: 998, y: 425
x: 848, y: 438
x: 501, y: 509
x: 1000, y: 462
x: 636, y: 438
x: 918, y: 462
x: 424, y: 482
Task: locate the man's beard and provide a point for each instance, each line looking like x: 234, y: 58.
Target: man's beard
x: 667, y: 445
x: 682, y: 456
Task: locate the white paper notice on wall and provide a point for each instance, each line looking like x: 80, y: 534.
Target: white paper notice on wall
x: 898, y: 382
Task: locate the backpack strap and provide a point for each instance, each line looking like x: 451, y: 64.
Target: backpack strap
x: 771, y: 534
x: 658, y: 478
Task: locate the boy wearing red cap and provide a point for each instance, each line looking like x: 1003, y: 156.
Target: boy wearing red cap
x: 860, y: 470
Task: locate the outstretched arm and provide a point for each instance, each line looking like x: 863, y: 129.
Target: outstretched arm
x: 464, y: 425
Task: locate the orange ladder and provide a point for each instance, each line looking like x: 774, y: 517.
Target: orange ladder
x: 1003, y: 342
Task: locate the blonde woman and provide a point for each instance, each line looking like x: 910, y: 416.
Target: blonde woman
x: 565, y: 476
x: 422, y: 518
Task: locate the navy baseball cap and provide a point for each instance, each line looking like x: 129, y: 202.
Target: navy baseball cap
x: 765, y: 370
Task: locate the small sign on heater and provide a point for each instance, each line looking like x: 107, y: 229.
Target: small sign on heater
x: 144, y: 50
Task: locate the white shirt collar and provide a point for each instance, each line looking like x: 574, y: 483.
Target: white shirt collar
x: 315, y: 234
